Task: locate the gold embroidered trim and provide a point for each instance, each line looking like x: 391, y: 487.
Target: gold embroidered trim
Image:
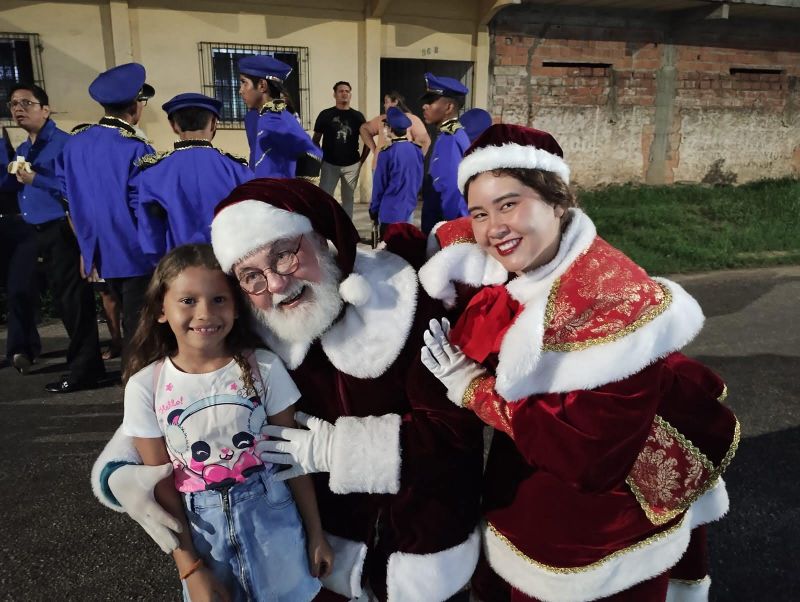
x: 689, y: 581
x: 151, y: 159
x: 652, y: 313
x: 724, y: 395
x: 550, y: 309
x: 469, y: 393
x: 594, y: 565
x: 451, y: 126
x: 461, y: 239
x: 714, y: 473
x: 274, y: 106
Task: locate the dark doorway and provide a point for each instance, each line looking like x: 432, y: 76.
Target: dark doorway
x: 407, y: 76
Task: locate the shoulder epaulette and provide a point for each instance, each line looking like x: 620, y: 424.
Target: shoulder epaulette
x: 126, y: 134
x: 273, y: 106
x: 80, y: 128
x: 150, y: 159
x: 451, y: 127
x: 236, y: 158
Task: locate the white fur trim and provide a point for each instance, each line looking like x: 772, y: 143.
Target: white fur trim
x: 510, y: 155
x: 523, y: 370
x: 616, y: 573
x: 432, y: 577
x: 345, y: 578
x: 432, y: 245
x: 246, y: 226
x: 355, y: 289
x: 461, y: 262
x: 119, y: 449
x: 680, y: 591
x: 366, y: 455
x: 368, y: 338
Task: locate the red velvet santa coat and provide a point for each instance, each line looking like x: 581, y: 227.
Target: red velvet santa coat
x: 612, y: 448
x: 404, y: 486
x: 401, y: 503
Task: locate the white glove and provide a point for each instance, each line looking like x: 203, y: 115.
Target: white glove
x: 133, y: 486
x: 447, y: 362
x: 306, y: 451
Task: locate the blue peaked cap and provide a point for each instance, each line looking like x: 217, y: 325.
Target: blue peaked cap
x: 443, y: 86
x: 265, y: 67
x: 120, y: 85
x: 475, y: 121
x: 396, y: 119
x: 193, y: 100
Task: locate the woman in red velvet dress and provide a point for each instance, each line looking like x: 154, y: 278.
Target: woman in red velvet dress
x: 609, y: 443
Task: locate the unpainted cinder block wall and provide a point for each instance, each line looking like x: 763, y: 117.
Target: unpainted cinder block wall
x: 636, y: 97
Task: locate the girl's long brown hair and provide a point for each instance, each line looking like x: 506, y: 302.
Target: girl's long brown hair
x: 153, y: 340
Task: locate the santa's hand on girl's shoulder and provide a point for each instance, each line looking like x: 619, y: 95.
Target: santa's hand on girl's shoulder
x: 447, y: 362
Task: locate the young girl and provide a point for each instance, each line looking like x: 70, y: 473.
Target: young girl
x: 197, y: 395
x: 609, y: 445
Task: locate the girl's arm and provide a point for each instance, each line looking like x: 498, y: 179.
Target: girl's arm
x: 320, y: 554
x: 201, y: 582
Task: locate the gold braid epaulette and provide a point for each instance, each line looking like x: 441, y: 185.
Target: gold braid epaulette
x: 126, y: 134
x: 81, y: 127
x: 151, y: 159
x: 273, y: 106
x: 451, y: 127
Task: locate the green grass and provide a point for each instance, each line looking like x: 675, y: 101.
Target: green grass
x: 691, y: 228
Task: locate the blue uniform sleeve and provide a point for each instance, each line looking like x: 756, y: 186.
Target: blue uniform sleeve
x: 151, y: 219
x: 446, y: 181
x: 133, y: 178
x: 380, y: 179
x: 251, y: 131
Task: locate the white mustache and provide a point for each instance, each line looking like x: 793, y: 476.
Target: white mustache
x: 294, y: 291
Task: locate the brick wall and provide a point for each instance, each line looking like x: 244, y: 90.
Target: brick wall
x: 629, y: 99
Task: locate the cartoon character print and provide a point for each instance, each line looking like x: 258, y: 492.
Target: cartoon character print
x: 213, y: 441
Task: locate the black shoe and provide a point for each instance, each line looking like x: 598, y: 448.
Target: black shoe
x: 22, y: 363
x: 67, y: 385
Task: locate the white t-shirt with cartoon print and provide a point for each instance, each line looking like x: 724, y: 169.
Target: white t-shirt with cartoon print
x: 209, y: 422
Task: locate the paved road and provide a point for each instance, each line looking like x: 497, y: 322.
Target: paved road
x: 60, y: 544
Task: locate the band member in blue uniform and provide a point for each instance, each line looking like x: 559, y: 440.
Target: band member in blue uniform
x: 475, y: 121
x: 43, y: 216
x: 178, y: 189
x: 97, y: 172
x: 441, y: 200
x: 398, y: 174
x: 280, y: 148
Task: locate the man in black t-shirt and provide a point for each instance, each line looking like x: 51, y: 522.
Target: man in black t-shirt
x: 338, y: 127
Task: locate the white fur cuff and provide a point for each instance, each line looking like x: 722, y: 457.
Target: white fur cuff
x: 434, y: 577
x: 681, y: 591
x: 345, y: 579
x: 119, y: 449
x: 366, y: 455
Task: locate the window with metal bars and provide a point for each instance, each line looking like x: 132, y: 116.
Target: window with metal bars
x: 220, y: 76
x: 20, y: 62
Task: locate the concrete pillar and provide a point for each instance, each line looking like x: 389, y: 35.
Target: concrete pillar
x: 660, y: 150
x: 119, y: 46
x: 480, y: 57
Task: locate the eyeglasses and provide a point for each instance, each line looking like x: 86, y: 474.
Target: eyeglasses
x: 24, y: 103
x: 254, y: 282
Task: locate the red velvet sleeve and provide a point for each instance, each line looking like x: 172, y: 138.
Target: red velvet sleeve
x: 588, y: 439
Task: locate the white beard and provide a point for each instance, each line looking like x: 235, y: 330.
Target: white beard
x: 314, y: 315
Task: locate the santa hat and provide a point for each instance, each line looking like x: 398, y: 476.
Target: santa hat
x: 264, y: 210
x: 512, y: 146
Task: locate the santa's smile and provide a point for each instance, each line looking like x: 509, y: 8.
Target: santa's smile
x: 293, y: 299
x: 507, y: 247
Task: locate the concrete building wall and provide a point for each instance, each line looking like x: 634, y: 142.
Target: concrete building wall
x: 632, y: 98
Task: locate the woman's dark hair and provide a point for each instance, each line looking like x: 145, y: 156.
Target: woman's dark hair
x: 38, y: 93
x: 553, y: 190
x: 399, y: 99
x: 153, y: 340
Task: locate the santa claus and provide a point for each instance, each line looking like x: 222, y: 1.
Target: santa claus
x: 397, y: 467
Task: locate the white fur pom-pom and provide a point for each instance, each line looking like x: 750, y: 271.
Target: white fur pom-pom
x: 355, y: 290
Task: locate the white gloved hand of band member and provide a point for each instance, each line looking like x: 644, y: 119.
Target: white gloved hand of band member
x: 304, y: 450
x: 447, y: 362
x: 133, y: 486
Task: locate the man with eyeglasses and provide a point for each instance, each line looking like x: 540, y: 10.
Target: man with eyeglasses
x: 43, y: 212
x: 396, y: 471
x: 97, y: 171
